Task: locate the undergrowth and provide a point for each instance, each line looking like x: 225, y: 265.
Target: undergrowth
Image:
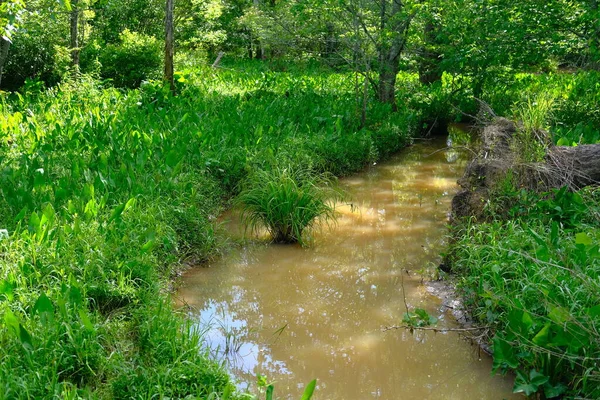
x: 531, y: 274
x: 105, y: 193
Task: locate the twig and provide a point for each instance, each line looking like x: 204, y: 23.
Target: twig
x: 442, y: 330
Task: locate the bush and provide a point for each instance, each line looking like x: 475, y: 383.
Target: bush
x: 34, y: 55
x: 135, y: 59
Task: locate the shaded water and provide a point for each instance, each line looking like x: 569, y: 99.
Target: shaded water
x: 295, y: 314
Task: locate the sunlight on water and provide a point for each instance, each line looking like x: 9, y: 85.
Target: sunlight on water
x: 295, y: 314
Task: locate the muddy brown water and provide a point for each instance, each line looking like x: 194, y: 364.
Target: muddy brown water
x: 294, y: 314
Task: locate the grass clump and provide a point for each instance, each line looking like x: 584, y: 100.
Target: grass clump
x: 532, y: 139
x: 287, y: 201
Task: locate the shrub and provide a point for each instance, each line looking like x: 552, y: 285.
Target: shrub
x: 135, y: 59
x: 286, y: 201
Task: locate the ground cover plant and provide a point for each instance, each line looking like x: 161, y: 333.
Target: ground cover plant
x: 105, y: 192
x: 530, y: 272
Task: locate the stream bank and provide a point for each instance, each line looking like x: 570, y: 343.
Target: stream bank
x: 524, y: 248
x: 294, y: 314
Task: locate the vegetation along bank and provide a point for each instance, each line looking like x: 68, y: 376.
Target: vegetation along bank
x: 111, y: 179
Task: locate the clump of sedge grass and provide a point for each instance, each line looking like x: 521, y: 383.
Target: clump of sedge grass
x: 533, y: 138
x: 287, y: 202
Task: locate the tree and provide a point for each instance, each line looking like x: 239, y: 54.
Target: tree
x: 169, y: 45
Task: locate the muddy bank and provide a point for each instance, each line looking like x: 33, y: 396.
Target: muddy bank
x: 498, y: 158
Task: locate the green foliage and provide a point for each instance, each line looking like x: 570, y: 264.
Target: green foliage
x: 418, y: 318
x: 104, y: 192
x: 532, y: 140
x: 34, y: 55
x: 287, y: 201
x: 137, y: 57
x: 533, y: 278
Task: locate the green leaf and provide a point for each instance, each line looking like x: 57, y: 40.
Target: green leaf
x: 594, y: 312
x: 529, y: 384
x: 11, y: 321
x: 7, y: 289
x: 85, y: 320
x: 25, y: 338
x: 21, y: 214
x: 541, y: 339
x: 583, y: 238
x: 43, y: 305
x: 66, y: 4
x: 148, y: 246
x: 537, y: 378
x: 504, y: 354
x: 554, y: 391
x: 270, y: 390
x: 172, y: 158
x: 117, y: 212
x: 75, y: 296
x: 309, y: 390
x: 559, y: 315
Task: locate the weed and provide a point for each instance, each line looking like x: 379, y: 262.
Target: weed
x: 287, y: 201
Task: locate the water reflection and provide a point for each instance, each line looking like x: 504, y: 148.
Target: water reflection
x: 297, y: 314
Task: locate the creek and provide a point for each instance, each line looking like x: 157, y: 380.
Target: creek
x: 294, y: 314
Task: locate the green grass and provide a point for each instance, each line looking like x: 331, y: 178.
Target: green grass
x: 106, y: 192
x: 287, y: 202
x: 531, y: 274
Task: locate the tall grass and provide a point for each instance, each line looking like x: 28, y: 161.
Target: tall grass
x: 287, y: 201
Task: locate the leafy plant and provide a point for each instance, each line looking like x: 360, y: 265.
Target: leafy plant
x: 287, y: 201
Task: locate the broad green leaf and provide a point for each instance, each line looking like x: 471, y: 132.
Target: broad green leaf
x: 85, y: 319
x: 529, y: 384
x: 541, y: 339
x: 25, y: 338
x: 583, y: 238
x: 7, y: 289
x: 172, y: 158
x: 504, y: 354
x: 11, y: 321
x: 117, y: 212
x: 309, y: 390
x: 559, y: 315
x: 75, y: 296
x: 594, y: 311
x: 21, y: 214
x: 554, y: 391
x: 43, y: 305
x: 148, y: 246
x: 270, y: 390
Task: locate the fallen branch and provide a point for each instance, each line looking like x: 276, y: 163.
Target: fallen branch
x: 436, y: 330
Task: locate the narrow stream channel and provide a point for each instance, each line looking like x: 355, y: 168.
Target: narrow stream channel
x: 295, y: 314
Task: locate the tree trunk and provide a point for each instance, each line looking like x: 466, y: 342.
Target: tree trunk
x: 579, y: 166
x: 75, y: 34
x: 390, y: 50
x: 4, y: 47
x: 169, y: 45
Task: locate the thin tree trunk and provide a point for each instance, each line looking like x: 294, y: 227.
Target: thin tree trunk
x: 4, y: 47
x: 74, y: 34
x: 169, y: 45
x: 389, y: 54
